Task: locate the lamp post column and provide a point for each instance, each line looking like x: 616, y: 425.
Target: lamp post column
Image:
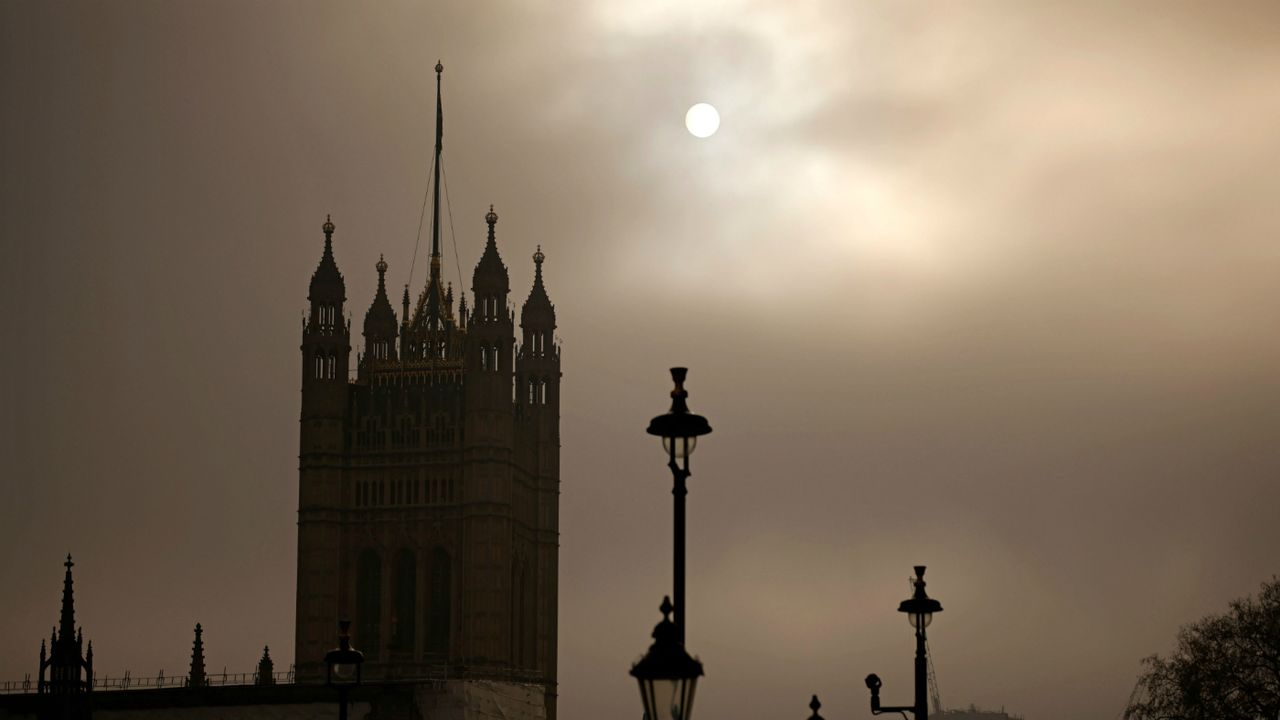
x: 922, y: 677
x: 679, y: 430
x: 679, y: 491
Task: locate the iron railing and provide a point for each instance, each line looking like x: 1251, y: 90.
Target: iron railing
x: 435, y: 675
x: 128, y: 682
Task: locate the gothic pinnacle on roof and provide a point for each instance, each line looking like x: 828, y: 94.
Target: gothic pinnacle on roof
x: 266, y: 668
x: 327, y: 281
x: 69, y: 669
x: 538, y: 307
x: 197, y: 678
x: 67, y: 621
x: 380, y: 319
x: 490, y: 267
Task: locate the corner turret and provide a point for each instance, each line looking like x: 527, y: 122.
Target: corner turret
x: 538, y: 364
x: 490, y: 323
x: 326, y: 337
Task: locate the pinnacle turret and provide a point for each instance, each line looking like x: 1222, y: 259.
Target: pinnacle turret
x: 490, y: 282
x: 538, y: 310
x: 196, y: 678
x: 69, y: 670
x: 266, y: 668
x: 327, y: 284
x: 380, y: 321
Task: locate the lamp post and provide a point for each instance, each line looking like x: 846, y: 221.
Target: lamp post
x: 343, y: 667
x: 919, y: 609
x: 679, y: 430
x: 667, y: 674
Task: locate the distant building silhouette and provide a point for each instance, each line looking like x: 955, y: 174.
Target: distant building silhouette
x: 428, y: 515
x: 66, y: 673
x: 429, y: 484
x: 973, y: 713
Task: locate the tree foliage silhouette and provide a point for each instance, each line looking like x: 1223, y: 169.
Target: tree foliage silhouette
x: 1226, y: 667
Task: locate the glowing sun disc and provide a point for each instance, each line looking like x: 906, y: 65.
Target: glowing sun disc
x: 702, y: 120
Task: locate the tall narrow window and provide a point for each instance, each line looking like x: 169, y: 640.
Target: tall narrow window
x: 542, y: 392
x: 368, y: 602
x: 406, y: 593
x: 438, y: 622
x: 533, y: 391
x: 331, y: 364
x: 319, y: 366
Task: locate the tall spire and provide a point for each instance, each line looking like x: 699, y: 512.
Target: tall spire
x: 429, y: 312
x: 67, y: 623
x: 197, y: 678
x: 66, y: 667
x: 435, y: 200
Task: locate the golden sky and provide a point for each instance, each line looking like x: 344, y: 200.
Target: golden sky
x: 987, y: 286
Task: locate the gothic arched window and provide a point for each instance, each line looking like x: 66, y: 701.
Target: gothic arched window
x: 440, y: 595
x: 403, y: 623
x: 368, y: 602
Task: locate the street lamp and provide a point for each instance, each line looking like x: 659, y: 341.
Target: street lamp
x: 679, y: 430
x: 919, y: 609
x: 667, y: 674
x: 344, y: 667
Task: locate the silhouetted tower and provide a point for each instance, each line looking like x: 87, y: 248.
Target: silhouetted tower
x: 537, y: 383
x: 429, y: 485
x: 326, y: 346
x: 68, y: 666
x: 196, y: 677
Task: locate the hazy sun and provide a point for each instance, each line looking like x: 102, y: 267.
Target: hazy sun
x: 702, y: 120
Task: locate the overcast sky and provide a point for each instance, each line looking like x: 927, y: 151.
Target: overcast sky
x: 989, y: 287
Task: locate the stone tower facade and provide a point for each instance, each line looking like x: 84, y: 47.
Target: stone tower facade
x: 428, y: 485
